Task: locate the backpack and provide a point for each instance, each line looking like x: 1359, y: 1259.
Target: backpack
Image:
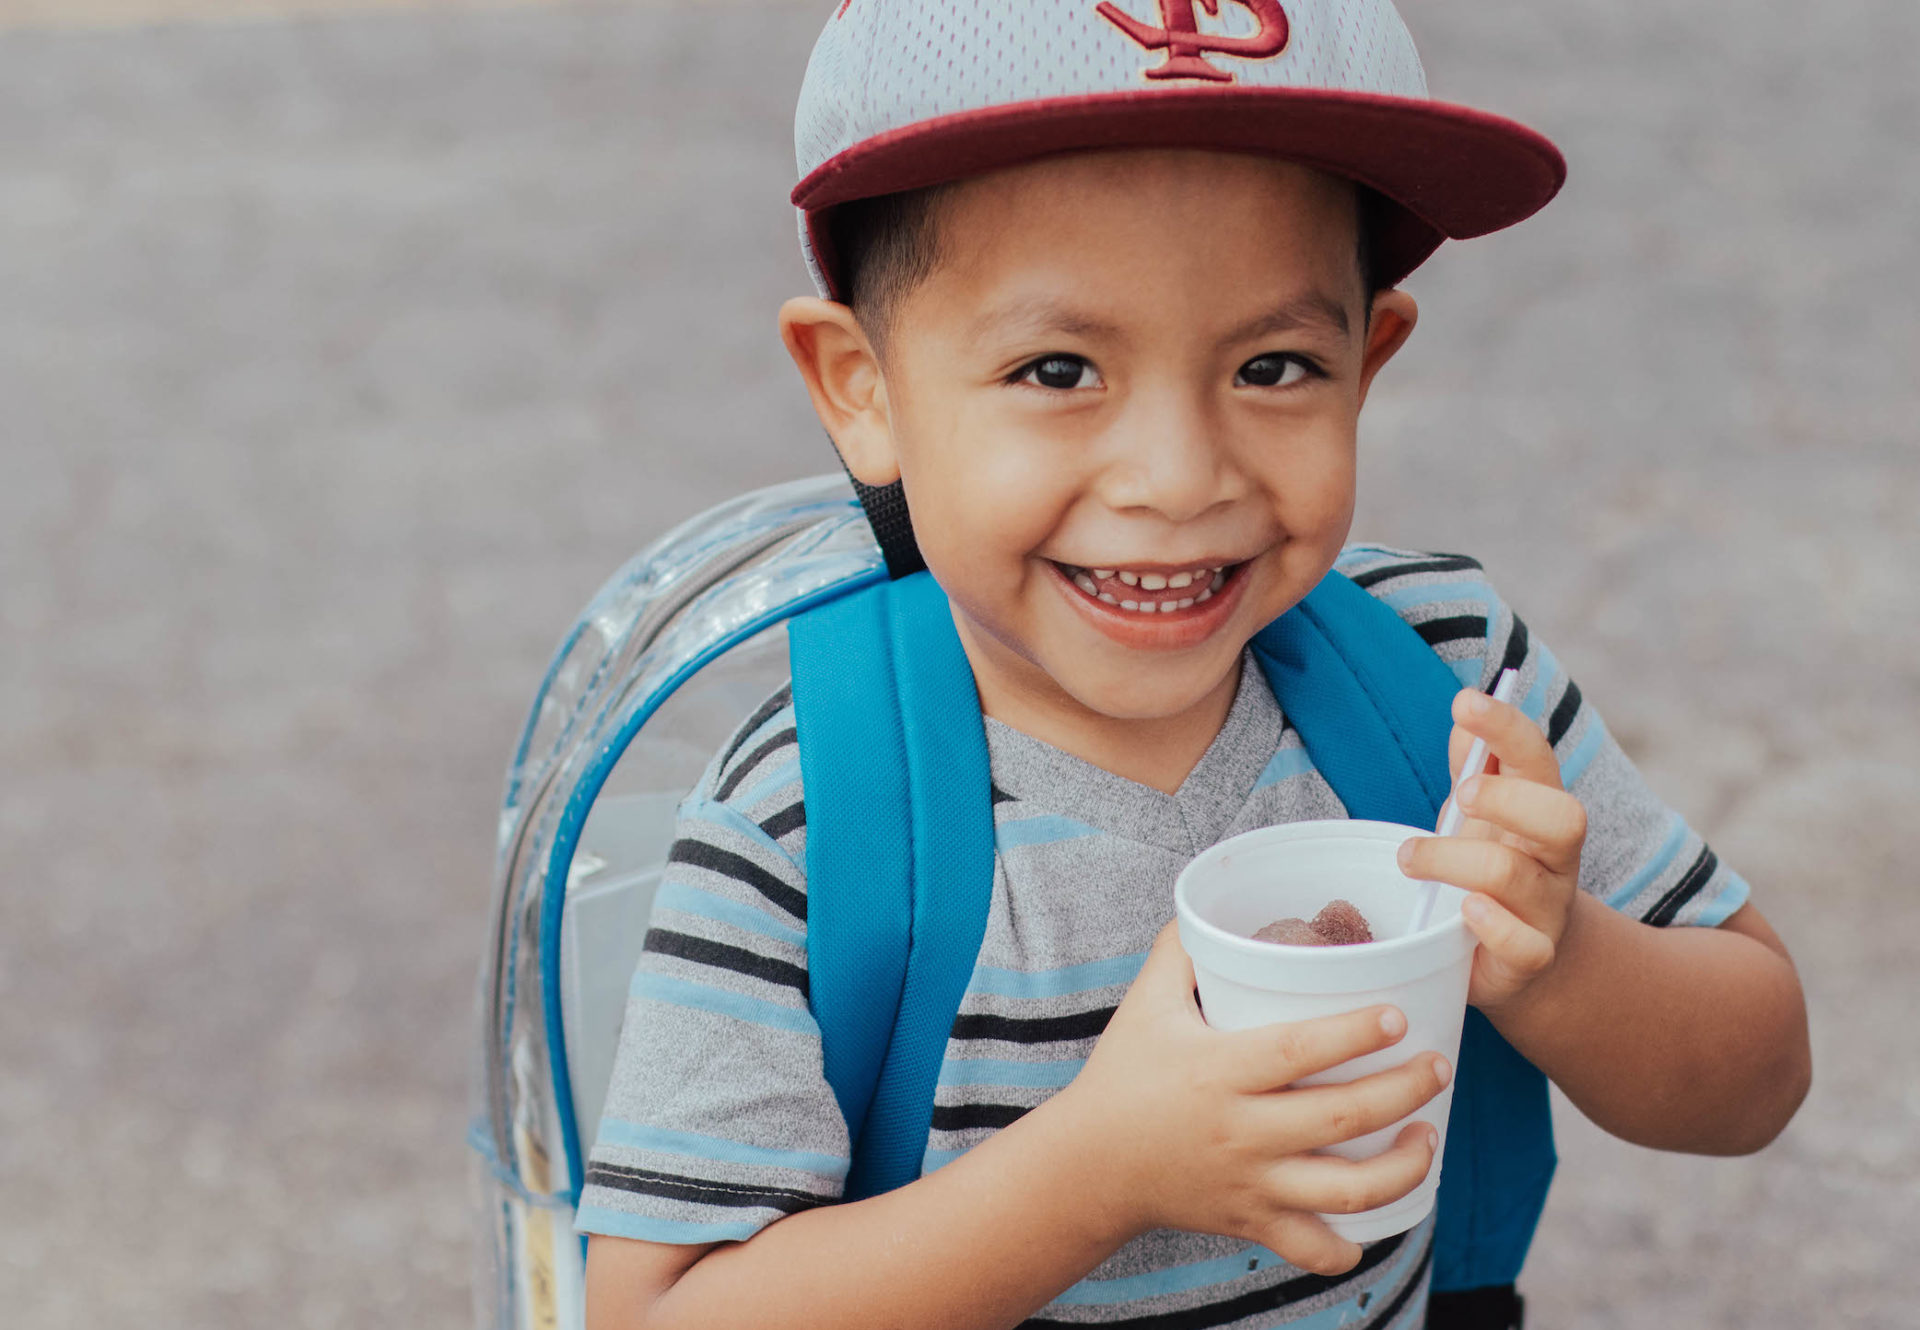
x: 651, y: 680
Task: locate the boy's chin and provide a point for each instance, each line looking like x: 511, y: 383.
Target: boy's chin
x: 1129, y: 692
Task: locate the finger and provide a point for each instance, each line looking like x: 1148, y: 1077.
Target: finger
x: 1506, y: 937
x: 1552, y: 822
x: 1511, y: 735
x: 1491, y: 867
x: 1316, y: 1116
x: 1306, y: 1241
x: 1268, y: 1057
x: 1337, y: 1186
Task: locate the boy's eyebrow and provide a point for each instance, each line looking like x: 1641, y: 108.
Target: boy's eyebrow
x: 1042, y: 314
x: 1315, y: 309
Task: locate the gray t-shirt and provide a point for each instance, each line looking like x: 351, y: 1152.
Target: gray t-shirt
x: 719, y: 1120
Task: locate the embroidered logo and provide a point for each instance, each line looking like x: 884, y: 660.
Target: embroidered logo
x: 1187, y: 47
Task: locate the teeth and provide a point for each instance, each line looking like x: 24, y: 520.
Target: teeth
x: 1204, y: 595
x: 1131, y: 579
x: 1168, y: 607
x: 1219, y: 580
x: 1152, y: 582
x: 1179, y: 580
x: 1181, y: 605
x: 1103, y: 573
x: 1085, y: 583
x: 1107, y: 596
x: 1129, y: 604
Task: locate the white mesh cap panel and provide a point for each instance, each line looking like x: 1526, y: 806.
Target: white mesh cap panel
x: 883, y: 64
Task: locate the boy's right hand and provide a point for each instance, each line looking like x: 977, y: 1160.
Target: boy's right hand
x: 1194, y: 1128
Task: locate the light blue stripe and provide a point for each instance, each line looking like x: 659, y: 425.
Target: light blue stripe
x: 1408, y: 597
x: 1003, y: 1071
x: 645, y: 1228
x: 1057, y: 983
x: 1578, y: 760
x: 784, y: 774
x: 1730, y: 898
x: 937, y: 1159
x: 640, y: 1136
x: 1633, y: 886
x: 1178, y: 1279
x: 1285, y: 762
x: 1040, y: 831
x: 685, y: 899
x: 679, y: 993
x: 1468, y: 671
x: 1547, y: 670
x: 1225, y: 1269
x: 706, y: 810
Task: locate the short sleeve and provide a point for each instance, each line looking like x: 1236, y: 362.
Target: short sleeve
x: 719, y: 1119
x: 1641, y: 857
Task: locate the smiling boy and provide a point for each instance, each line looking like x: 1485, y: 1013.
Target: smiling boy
x: 1116, y: 370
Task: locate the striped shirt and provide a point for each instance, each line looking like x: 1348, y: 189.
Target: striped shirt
x: 719, y: 1120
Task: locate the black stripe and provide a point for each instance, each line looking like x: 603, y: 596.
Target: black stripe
x: 786, y: 738
x: 1037, y: 1030
x: 727, y: 864
x: 1297, y: 1289
x: 770, y: 708
x: 1689, y: 885
x: 960, y: 1117
x: 704, y: 951
x: 1399, y: 1304
x: 1516, y: 653
x: 1439, y: 563
x: 1000, y: 796
x: 790, y: 818
x: 1459, y: 628
x: 674, y: 1187
x: 1562, y: 718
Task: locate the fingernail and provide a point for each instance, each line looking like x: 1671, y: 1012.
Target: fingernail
x: 1469, y: 791
x: 1476, y: 910
x: 1479, y: 703
x: 1433, y: 1137
x: 1405, y: 853
x: 1392, y: 1022
x: 1442, y: 1071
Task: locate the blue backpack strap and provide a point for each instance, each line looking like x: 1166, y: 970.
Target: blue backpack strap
x: 893, y: 762
x: 1360, y: 686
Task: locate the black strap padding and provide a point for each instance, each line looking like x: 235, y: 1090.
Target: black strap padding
x: 886, y: 507
x: 1499, y: 1307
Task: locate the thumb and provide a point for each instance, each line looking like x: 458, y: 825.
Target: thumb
x: 1167, y: 968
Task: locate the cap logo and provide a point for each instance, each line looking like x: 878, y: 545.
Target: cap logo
x: 1186, y: 46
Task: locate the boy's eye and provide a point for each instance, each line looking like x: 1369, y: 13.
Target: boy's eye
x: 1059, y: 372
x: 1272, y: 371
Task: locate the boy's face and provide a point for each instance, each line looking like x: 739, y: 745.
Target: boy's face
x: 1132, y: 378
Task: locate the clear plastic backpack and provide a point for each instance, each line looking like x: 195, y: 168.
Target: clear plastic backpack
x: 660, y: 668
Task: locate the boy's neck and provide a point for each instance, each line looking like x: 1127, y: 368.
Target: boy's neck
x: 1158, y: 752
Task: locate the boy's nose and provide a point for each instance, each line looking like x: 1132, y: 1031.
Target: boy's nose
x: 1168, y: 458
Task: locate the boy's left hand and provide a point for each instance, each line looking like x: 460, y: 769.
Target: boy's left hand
x: 1517, y: 854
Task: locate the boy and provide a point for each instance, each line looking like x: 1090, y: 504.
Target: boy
x: 1111, y: 294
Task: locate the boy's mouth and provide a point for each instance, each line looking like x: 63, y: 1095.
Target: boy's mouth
x: 1151, y: 591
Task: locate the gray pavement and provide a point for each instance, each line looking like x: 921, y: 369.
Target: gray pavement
x: 341, y: 358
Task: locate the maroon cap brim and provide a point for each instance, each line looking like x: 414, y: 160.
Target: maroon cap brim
x: 1454, y: 172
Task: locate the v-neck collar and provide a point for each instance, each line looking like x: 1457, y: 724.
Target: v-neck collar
x: 1186, y: 821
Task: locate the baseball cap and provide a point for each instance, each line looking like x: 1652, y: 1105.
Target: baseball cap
x: 902, y: 94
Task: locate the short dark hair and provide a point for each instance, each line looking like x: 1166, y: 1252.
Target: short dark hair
x: 889, y: 244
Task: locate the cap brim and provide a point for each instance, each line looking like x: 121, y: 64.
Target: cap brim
x: 1454, y: 172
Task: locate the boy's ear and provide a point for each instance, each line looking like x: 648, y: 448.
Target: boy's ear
x: 1394, y: 314
x: 843, y: 377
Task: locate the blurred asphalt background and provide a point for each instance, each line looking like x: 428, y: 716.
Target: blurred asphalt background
x: 346, y: 345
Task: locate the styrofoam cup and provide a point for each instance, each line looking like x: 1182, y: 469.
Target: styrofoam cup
x: 1242, y: 884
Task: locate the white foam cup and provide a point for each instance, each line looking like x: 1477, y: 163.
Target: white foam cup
x: 1245, y: 883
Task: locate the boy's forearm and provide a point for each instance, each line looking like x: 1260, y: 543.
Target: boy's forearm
x: 1688, y: 1039
x: 983, y: 1242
